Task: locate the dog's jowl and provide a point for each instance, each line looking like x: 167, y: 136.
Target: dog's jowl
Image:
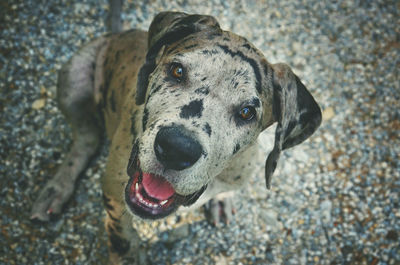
x: 182, y: 105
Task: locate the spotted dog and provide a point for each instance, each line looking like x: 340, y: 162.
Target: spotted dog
x: 182, y: 105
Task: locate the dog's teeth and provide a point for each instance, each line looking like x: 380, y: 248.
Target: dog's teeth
x: 140, y: 198
x: 137, y: 186
x: 163, y: 202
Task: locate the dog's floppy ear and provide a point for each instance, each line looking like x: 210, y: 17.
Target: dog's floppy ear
x: 165, y: 29
x: 295, y: 110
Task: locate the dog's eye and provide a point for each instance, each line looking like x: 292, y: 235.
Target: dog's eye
x: 177, y: 70
x: 247, y: 113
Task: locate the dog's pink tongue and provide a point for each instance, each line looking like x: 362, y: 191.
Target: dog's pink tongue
x: 157, y: 187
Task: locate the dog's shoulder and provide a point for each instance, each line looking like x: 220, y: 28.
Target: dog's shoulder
x: 124, y: 55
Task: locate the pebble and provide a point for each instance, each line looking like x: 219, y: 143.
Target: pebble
x: 328, y: 114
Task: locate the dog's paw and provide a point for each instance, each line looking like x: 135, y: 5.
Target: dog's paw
x: 50, y: 201
x: 219, y: 211
x: 136, y: 256
x: 139, y: 259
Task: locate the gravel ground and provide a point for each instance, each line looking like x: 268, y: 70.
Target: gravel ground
x: 334, y: 199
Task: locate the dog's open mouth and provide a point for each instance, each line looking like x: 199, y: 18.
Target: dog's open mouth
x: 151, y: 196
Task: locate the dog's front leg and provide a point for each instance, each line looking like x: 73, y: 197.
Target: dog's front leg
x: 123, y: 241
x: 220, y: 209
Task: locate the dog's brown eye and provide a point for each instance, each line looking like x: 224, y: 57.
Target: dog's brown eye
x: 177, y: 71
x: 247, y: 113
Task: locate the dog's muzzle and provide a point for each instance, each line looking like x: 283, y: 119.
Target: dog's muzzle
x: 151, y: 196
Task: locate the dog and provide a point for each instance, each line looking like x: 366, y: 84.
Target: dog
x: 182, y: 106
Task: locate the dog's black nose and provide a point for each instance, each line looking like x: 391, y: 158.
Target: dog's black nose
x: 175, y: 149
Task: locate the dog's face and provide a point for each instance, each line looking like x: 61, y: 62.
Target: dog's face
x: 207, y: 94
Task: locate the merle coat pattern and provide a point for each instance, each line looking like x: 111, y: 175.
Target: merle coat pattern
x: 182, y: 106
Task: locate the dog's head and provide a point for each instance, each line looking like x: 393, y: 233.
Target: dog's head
x: 206, y: 94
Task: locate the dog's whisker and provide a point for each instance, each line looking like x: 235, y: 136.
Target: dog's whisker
x: 123, y: 212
